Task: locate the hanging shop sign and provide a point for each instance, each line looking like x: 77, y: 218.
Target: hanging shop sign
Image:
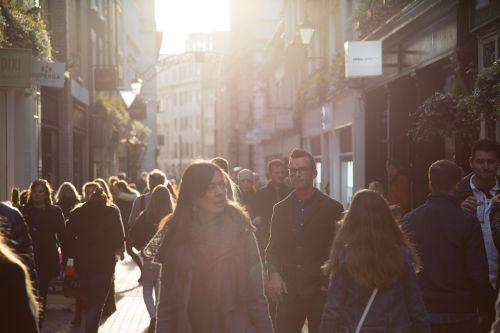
x: 48, y: 74
x: 15, y: 68
x: 105, y: 78
x: 363, y: 58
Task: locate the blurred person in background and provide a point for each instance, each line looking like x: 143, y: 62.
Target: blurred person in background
x: 46, y: 226
x: 266, y: 198
x: 95, y: 233
x: 15, y: 197
x: 211, y: 277
x: 18, y: 305
x: 67, y: 198
x: 245, y: 185
x: 160, y: 205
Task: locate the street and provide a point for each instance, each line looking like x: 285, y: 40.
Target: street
x: 130, y: 316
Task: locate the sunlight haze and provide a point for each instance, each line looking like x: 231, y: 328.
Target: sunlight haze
x: 179, y: 18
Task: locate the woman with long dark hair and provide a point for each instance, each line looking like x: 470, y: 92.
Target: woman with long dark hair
x: 159, y: 207
x: 95, y: 233
x: 211, y: 277
x: 67, y: 198
x: 46, y: 226
x: 18, y: 306
x: 373, y: 269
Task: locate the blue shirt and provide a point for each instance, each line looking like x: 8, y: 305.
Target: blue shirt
x: 302, y: 210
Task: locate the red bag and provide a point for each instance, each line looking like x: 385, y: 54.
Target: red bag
x: 72, y: 287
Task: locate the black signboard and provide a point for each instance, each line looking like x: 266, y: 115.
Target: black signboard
x: 105, y: 78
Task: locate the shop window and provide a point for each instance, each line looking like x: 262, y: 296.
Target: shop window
x: 50, y: 154
x: 347, y: 180
x: 488, y: 51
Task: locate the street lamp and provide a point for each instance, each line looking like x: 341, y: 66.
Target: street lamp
x: 136, y: 85
x: 306, y: 32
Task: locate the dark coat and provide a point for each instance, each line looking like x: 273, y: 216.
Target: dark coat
x: 399, y: 308
x: 262, y: 206
x: 46, y: 227
x: 17, y: 235
x: 298, y: 256
x: 450, y: 243
x: 16, y: 313
x: 233, y: 282
x: 94, y: 233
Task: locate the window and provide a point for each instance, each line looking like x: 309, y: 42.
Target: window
x: 489, y: 50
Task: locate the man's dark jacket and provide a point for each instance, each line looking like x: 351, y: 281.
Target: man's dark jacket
x: 299, y: 255
x: 262, y: 206
x: 449, y: 241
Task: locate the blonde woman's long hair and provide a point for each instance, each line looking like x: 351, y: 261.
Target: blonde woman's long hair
x: 8, y: 256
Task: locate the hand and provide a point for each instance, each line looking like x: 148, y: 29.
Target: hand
x: 496, y: 198
x: 276, y: 287
x: 469, y: 205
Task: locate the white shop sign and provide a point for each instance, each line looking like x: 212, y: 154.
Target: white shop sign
x: 363, y: 58
x: 48, y: 74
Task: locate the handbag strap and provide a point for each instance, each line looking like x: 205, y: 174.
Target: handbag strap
x: 367, y: 309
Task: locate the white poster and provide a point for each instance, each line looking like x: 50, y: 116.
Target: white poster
x: 48, y: 74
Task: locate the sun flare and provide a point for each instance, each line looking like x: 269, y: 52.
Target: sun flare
x: 179, y: 18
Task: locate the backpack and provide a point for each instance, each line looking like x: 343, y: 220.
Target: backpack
x: 142, y: 231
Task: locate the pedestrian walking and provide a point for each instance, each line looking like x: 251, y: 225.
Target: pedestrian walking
x: 246, y: 190
x: 476, y: 192
x: 46, y: 227
x: 266, y: 198
x: 146, y: 226
x: 454, y: 280
x: 211, y: 278
x: 18, y: 306
x: 398, y: 192
x: 95, y: 233
x: 373, y: 285
x: 302, y: 230
x: 67, y: 198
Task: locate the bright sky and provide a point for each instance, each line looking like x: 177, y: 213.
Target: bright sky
x: 177, y: 18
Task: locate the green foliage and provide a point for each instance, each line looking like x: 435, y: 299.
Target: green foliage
x: 323, y: 82
x: 120, y: 119
x: 22, y: 27
x: 444, y: 116
x: 371, y: 14
x: 459, y: 114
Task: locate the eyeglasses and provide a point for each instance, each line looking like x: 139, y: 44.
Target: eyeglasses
x: 299, y: 171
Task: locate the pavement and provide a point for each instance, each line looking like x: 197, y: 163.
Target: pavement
x: 130, y: 316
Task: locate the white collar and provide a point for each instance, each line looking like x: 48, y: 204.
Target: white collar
x: 493, y: 190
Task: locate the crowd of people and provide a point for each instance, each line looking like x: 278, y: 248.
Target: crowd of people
x: 219, y: 254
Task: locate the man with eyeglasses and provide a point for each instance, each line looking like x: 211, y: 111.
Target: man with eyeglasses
x: 302, y: 230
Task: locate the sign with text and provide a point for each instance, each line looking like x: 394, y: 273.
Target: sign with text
x: 15, y: 68
x: 48, y: 74
x: 363, y: 58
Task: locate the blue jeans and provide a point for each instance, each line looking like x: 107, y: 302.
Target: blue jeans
x: 150, y: 282
x: 96, y: 287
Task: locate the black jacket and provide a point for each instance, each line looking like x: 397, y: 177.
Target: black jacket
x: 46, y: 227
x: 94, y: 233
x: 16, y: 234
x: 298, y: 256
x: 450, y: 243
x: 262, y: 206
